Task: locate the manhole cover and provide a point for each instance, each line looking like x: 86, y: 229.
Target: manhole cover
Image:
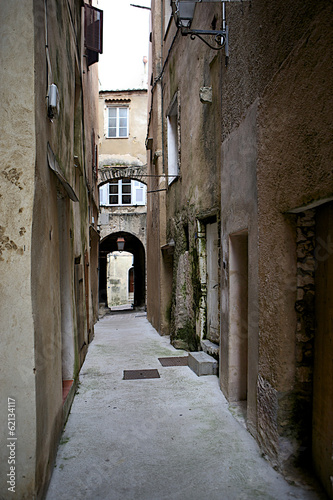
x: 140, y: 374
x: 174, y: 361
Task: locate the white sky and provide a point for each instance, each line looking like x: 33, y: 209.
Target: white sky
x: 125, y: 43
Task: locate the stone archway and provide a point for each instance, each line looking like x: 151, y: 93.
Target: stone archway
x: 134, y: 246
x: 108, y: 173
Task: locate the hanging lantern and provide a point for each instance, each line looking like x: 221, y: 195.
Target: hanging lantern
x: 120, y: 243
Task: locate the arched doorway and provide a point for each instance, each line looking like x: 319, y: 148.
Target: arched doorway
x: 134, y: 246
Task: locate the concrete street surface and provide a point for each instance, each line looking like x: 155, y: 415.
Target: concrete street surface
x: 167, y: 438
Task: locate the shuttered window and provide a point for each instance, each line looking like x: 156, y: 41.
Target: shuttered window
x: 120, y: 192
x: 93, y: 33
x: 123, y: 192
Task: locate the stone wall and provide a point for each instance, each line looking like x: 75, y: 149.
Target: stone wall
x: 132, y: 220
x: 48, y: 198
x: 305, y: 327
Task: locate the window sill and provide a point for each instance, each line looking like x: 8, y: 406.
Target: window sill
x: 118, y: 137
x: 122, y: 206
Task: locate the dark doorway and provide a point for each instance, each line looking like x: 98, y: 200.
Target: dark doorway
x: 322, y: 431
x: 131, y: 280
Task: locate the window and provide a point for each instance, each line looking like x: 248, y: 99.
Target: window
x: 173, y: 141
x: 120, y: 192
x: 117, y: 122
x: 123, y: 192
x: 93, y: 31
x: 167, y: 15
x: 113, y: 193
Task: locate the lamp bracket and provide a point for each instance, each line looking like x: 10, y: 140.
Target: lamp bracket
x: 220, y: 37
x: 183, y: 13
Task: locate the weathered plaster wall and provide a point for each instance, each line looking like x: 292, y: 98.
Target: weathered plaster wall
x: 239, y: 213
x: 92, y: 131
x: 276, y: 133
x: 281, y: 78
x: 159, y: 263
x: 269, y: 131
x: 195, y: 195
x: 17, y: 172
x: 294, y: 170
x: 41, y: 231
x: 128, y: 219
x: 129, y: 149
x: 49, y: 224
x: 261, y: 35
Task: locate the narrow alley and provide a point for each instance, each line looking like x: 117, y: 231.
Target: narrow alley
x: 172, y: 437
x: 172, y: 157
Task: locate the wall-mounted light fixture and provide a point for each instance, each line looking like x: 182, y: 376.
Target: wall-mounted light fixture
x: 183, y: 12
x: 53, y: 102
x: 120, y: 243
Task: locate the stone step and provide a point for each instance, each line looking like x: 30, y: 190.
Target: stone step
x: 210, y: 348
x: 202, y: 364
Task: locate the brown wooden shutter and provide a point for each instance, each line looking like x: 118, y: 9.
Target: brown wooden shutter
x: 93, y: 31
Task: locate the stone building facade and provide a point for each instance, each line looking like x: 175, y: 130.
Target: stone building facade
x: 122, y: 184
x: 239, y: 148
x: 120, y: 279
x: 49, y: 238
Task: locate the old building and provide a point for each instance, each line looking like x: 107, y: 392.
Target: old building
x: 49, y: 238
x: 184, y: 162
x: 123, y: 195
x: 240, y: 224
x: 120, y: 279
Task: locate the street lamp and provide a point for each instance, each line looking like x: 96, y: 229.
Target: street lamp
x: 183, y: 12
x: 120, y: 243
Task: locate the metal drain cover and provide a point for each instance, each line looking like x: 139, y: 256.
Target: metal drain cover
x: 140, y: 374
x: 174, y: 361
